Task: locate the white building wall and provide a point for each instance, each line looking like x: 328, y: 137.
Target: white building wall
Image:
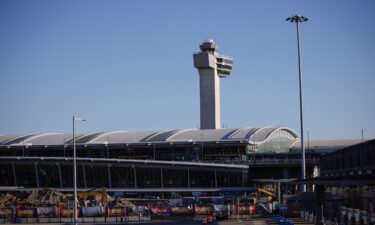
x: 209, y: 99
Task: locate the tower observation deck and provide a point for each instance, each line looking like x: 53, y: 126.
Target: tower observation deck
x: 211, y: 67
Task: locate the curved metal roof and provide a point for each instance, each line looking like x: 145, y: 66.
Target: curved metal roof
x: 161, y: 136
x: 120, y: 137
x: 37, y: 139
x: 251, y: 135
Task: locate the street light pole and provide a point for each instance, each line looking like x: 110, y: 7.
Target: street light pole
x: 75, y: 171
x: 299, y: 19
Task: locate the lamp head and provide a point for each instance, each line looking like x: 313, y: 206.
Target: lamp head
x: 79, y: 119
x: 297, y: 19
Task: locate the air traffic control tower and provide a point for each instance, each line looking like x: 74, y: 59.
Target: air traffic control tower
x: 211, y: 66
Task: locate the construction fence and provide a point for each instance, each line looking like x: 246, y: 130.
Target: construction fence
x: 124, y: 214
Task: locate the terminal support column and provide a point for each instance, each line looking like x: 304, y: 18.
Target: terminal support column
x: 161, y: 177
x: 319, y: 193
x: 14, y: 175
x: 84, y: 175
x: 188, y: 177
x: 60, y: 179
x: 109, y: 176
x: 135, y: 178
x: 215, y: 179
x: 36, y: 175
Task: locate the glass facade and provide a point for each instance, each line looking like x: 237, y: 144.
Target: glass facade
x: 97, y: 175
x: 275, y: 145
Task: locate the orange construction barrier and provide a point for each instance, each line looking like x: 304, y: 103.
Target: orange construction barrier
x: 210, y: 218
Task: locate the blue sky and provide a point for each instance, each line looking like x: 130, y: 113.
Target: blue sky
x: 127, y: 65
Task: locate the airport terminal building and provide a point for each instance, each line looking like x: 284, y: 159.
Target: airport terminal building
x: 210, y: 160
x: 131, y: 160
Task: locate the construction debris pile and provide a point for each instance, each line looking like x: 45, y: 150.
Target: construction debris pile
x: 44, y: 197
x: 51, y: 197
x: 8, y: 200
